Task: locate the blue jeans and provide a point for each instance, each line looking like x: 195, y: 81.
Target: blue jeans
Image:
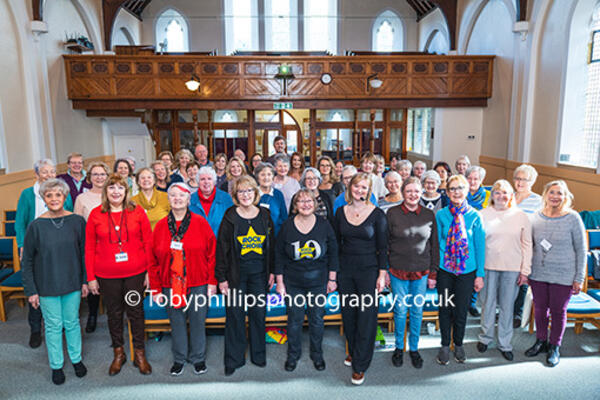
x: 62, y: 311
x: 404, y: 293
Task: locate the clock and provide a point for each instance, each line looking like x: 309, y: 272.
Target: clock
x: 326, y: 79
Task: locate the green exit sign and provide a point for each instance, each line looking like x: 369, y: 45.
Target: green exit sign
x: 283, y: 106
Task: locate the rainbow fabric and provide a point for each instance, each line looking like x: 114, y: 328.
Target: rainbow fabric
x: 457, y: 244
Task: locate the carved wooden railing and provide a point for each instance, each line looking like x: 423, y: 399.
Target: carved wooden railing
x: 117, y: 82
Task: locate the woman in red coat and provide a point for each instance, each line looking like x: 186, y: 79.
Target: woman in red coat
x: 118, y: 250
x: 184, y: 271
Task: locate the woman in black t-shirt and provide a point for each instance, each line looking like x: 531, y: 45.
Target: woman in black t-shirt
x: 362, y: 235
x: 244, y: 263
x: 306, y: 263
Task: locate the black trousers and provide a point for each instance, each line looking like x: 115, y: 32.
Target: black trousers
x: 93, y: 304
x: 235, y: 324
x: 114, y: 291
x: 360, y: 322
x: 453, y: 316
x: 34, y: 317
x: 296, y: 320
x: 518, y: 311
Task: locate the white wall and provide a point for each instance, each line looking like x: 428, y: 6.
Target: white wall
x: 129, y: 23
x: 427, y: 28
x: 452, y: 128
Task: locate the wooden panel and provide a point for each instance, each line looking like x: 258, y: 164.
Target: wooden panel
x: 469, y: 85
x: 429, y: 86
x: 220, y: 88
x: 90, y: 86
x: 306, y: 87
x: 134, y: 87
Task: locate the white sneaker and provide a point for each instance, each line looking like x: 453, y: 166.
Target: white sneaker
x: 358, y: 378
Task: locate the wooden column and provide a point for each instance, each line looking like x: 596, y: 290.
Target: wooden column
x: 313, y: 136
x: 251, y: 135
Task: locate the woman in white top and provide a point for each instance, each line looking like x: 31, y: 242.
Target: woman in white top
x: 85, y: 203
x: 282, y: 181
x: 508, y: 251
x: 393, y: 183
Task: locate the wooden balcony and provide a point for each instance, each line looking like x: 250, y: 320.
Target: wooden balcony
x: 123, y: 82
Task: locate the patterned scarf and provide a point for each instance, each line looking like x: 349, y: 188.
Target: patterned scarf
x: 178, y: 269
x: 478, y: 200
x: 457, y: 245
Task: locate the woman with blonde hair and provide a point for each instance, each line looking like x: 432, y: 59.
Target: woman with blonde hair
x: 557, y: 268
x: 362, y: 234
x: 330, y: 183
x: 182, y: 158
x: 235, y: 169
x: 118, y: 251
x: 507, y: 265
x: 156, y: 203
x: 220, y: 165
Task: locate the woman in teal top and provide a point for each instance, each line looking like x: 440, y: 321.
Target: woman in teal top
x: 462, y: 259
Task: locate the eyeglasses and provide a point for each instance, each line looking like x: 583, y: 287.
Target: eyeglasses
x: 98, y: 175
x: 325, y: 166
x: 245, y: 191
x: 456, y: 189
x: 307, y: 201
x: 314, y: 178
x: 521, y: 179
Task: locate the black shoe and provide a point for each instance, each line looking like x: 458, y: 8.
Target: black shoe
x: 482, y: 348
x: 319, y: 365
x: 537, y: 348
x: 290, y: 365
x: 80, y: 369
x: 35, y: 341
x: 397, y: 358
x: 91, y: 324
x: 516, y: 323
x: 260, y: 364
x: 415, y: 359
x: 58, y: 376
x: 508, y: 355
x: 200, y: 368
x: 229, y: 371
x: 474, y: 311
x: 553, y: 357
x: 176, y: 369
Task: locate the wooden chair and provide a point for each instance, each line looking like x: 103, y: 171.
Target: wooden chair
x: 12, y: 287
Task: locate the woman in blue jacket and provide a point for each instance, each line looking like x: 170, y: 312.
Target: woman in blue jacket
x: 208, y: 201
x: 270, y: 197
x: 462, y: 258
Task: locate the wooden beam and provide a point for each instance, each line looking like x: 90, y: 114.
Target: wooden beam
x: 38, y: 9
x: 449, y: 10
x: 110, y: 9
x: 114, y: 113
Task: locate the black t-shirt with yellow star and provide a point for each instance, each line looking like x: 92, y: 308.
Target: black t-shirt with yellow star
x: 305, y: 259
x: 250, y: 235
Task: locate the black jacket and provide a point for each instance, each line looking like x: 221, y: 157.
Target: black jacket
x: 227, y: 259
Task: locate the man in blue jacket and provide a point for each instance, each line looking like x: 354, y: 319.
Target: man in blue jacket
x: 208, y: 201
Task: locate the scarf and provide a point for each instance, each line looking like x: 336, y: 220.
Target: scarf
x: 145, y: 203
x: 457, y: 244
x: 178, y: 269
x: 478, y: 200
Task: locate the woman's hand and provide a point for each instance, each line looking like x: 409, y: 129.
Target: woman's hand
x: 271, y: 281
x: 380, y: 285
x: 522, y: 280
x: 388, y: 281
x: 478, y: 284
x: 431, y: 283
x: 331, y: 286
x: 84, y: 290
x: 211, y: 290
x: 576, y: 287
x: 94, y: 287
x: 224, y: 287
x: 281, y: 289
x: 34, y: 301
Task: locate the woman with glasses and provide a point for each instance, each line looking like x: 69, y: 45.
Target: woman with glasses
x: 393, y: 183
x: 461, y: 240
x: 244, y: 266
x: 270, y: 198
x: 153, y: 201
x: 432, y: 198
x: 306, y: 264
x: 329, y: 182
x: 311, y: 179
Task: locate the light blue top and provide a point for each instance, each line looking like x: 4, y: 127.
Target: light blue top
x: 217, y: 210
x: 531, y: 204
x: 475, y: 237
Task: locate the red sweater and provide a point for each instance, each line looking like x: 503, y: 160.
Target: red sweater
x: 101, y: 244
x: 199, y: 245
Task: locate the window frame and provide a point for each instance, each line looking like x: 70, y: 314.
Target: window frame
x: 230, y: 22
x: 161, y: 24
x: 398, y: 26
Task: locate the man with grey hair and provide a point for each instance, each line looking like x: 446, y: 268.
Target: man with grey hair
x: 239, y: 153
x: 30, y: 206
x: 347, y: 173
x: 208, y: 201
x: 75, y: 176
x: 201, y: 154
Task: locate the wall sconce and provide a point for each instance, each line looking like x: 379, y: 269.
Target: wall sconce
x: 284, y: 73
x: 374, y: 82
x: 193, y: 84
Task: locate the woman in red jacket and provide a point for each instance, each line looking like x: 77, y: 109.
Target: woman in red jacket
x: 118, y: 250
x: 184, y: 271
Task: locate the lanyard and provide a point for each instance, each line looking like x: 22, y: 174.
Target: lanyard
x: 116, y: 229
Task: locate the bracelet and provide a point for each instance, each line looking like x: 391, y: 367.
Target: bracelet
x: 332, y: 280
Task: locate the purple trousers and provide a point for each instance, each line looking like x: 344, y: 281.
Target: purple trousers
x: 550, y: 299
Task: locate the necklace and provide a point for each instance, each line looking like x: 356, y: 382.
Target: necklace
x: 58, y: 224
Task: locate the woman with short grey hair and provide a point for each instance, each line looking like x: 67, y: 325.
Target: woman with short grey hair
x: 404, y: 168
x: 54, y: 276
x: 462, y: 163
x: 432, y: 198
x: 419, y: 169
x: 478, y: 196
x: 282, y: 181
x: 311, y: 179
x: 393, y: 183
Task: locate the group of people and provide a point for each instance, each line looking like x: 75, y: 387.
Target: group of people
x: 188, y: 227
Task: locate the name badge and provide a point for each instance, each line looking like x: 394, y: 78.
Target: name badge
x: 176, y: 245
x: 121, y: 257
x: 546, y: 245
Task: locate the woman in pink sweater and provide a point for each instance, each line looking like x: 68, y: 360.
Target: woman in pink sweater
x: 507, y: 265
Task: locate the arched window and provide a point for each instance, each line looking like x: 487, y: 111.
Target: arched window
x: 281, y: 25
x: 172, y: 32
x: 320, y: 25
x: 241, y: 25
x: 580, y: 134
x: 388, y: 32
